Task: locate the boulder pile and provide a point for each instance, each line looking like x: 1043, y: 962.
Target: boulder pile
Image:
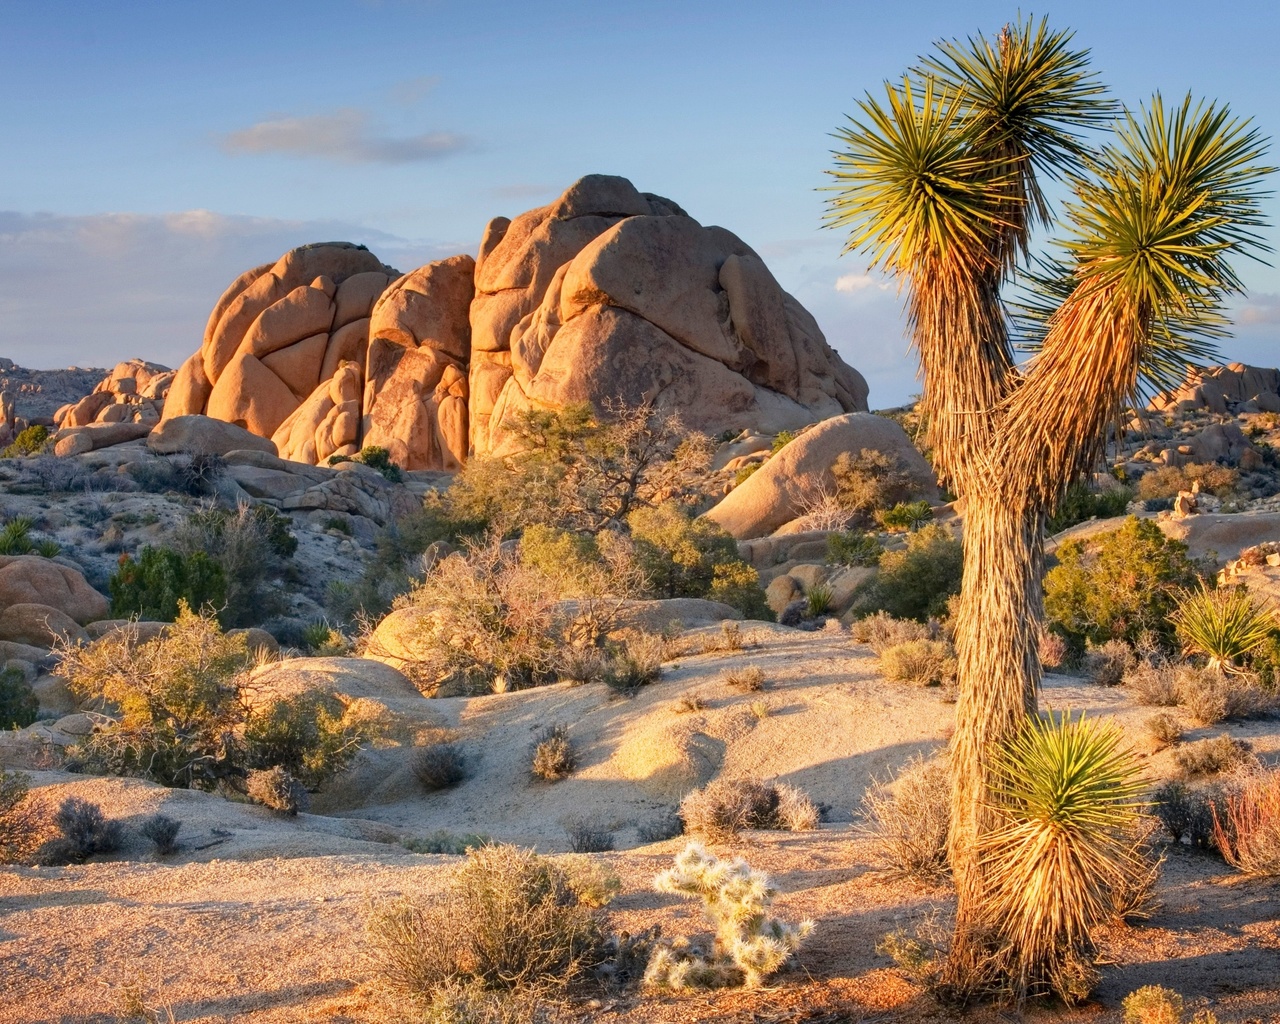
x: 1234, y: 388
x: 608, y: 295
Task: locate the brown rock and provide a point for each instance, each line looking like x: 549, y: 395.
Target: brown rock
x: 38, y: 625
x: 348, y: 344
x: 251, y: 396
x: 356, y: 296
x: 298, y: 365
x: 204, y: 434
x: 304, y: 312
x: 778, y: 491
x: 189, y: 393
x: 30, y: 579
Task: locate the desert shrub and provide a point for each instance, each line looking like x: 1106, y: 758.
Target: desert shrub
x: 30, y: 441
x: 18, y: 704
x: 781, y: 440
x: 251, y: 546
x: 677, y: 553
x: 1225, y: 624
x: 22, y: 823
x: 324, y: 641
x: 852, y: 547
x: 660, y: 829
x: 375, y: 457
x: 906, y: 516
x: 438, y: 765
x: 1051, y: 649
x: 918, y: 582
x: 1163, y: 728
x: 637, y: 663
x: 1212, y: 755
x: 1246, y: 828
x: 455, y: 1003
x: 277, y: 790
x: 1106, y: 664
x: 83, y: 831
x: 744, y: 473
x: 509, y: 919
x: 748, y: 678
x: 1080, y: 504
x: 163, y: 832
x: 749, y: 946
x: 1152, y: 1004
x: 16, y: 539
x: 1153, y: 682
x: 443, y: 841
x: 880, y: 631
x: 174, y: 711
x: 908, y: 818
x: 581, y: 471
x: 738, y: 585
x: 1167, y: 481
x: 309, y: 735
x: 553, y: 755
x: 580, y: 665
x: 689, y: 702
x: 871, y: 480
x: 161, y: 580
x: 919, y: 663
x: 1185, y: 813
x: 587, y: 834
x: 1117, y: 586
x: 1070, y: 795
x: 723, y: 808
x: 1212, y: 697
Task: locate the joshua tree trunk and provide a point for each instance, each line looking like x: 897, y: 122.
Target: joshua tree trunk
x: 999, y: 673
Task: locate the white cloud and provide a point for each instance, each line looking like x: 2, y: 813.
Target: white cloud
x: 1259, y: 308
x: 852, y: 284
x: 346, y: 135
x: 92, y: 290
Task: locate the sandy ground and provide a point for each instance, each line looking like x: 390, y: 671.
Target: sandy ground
x: 260, y: 918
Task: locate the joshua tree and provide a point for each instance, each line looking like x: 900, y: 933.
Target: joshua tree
x: 939, y: 186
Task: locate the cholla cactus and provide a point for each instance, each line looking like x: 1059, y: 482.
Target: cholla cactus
x: 749, y: 944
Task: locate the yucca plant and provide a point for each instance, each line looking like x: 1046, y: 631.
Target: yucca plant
x: 15, y: 536
x: 818, y: 600
x: 1068, y: 795
x: 1225, y: 625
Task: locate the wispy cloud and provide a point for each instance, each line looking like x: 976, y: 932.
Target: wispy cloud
x: 347, y: 135
x: 1260, y: 308
x: 413, y: 90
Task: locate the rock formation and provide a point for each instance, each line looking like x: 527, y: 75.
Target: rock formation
x: 1235, y: 388
x: 608, y: 296
x: 133, y: 392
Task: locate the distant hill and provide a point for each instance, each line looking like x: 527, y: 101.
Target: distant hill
x: 37, y: 394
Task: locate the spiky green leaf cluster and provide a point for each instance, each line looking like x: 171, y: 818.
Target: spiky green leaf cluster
x: 1225, y: 624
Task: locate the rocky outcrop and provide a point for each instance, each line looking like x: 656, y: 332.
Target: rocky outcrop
x: 613, y: 295
x: 1233, y: 388
x: 204, y: 435
x: 801, y: 472
x: 32, y: 580
x: 608, y: 296
x: 133, y: 392
x: 274, y: 333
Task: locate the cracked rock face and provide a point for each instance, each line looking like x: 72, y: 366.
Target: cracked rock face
x: 607, y: 295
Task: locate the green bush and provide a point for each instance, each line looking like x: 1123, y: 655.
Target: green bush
x: 18, y: 704
x: 16, y: 539
x: 30, y: 441
x: 375, y: 458
x: 1080, y: 504
x: 1118, y: 586
x: 1167, y: 481
x: 906, y: 516
x: 853, y: 547
x: 918, y: 582
x: 179, y: 716
x: 871, y: 480
x: 160, y: 580
x: 781, y: 440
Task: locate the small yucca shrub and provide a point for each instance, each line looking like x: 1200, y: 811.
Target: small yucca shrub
x: 1225, y: 625
x: 749, y: 945
x: 1069, y: 796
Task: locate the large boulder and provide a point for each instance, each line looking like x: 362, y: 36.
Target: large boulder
x: 133, y: 392
x: 1221, y: 389
x: 781, y: 489
x: 205, y: 435
x: 30, y: 579
x: 350, y: 678
x: 274, y: 333
x: 609, y: 294
x: 38, y: 625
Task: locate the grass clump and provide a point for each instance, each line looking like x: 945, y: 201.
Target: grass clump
x: 1164, y: 729
x: 1247, y: 830
x: 724, y: 808
x: 162, y: 830
x: 880, y: 631
x: 438, y: 765
x: 748, y: 678
x: 587, y: 834
x: 689, y: 702
x: 508, y: 920
x: 638, y: 663
x: 1213, y: 755
x: 919, y: 663
x: 749, y: 947
x: 277, y: 790
x: 442, y: 841
x: 554, y: 757
x: 908, y: 818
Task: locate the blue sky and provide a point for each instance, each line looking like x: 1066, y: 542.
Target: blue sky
x: 153, y: 150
